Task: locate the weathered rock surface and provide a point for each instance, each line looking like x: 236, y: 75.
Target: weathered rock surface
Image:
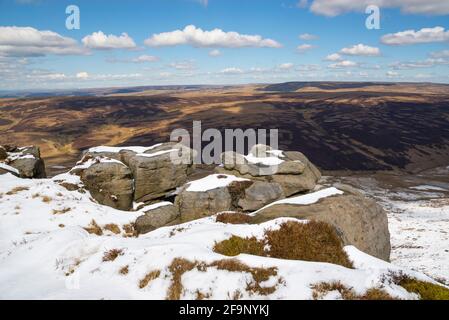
x: 359, y: 221
x: 291, y: 170
x: 26, y: 160
x: 157, y: 216
x: 3, y: 153
x: 110, y: 183
x: 226, y: 193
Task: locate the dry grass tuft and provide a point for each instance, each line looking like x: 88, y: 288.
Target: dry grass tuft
x: 148, y: 278
x: 180, y: 266
x: 177, y: 268
x: 124, y: 270
x: 115, y: 229
x: 425, y: 290
x: 313, y: 241
x: 17, y: 190
x: 94, y: 228
x: 130, y: 231
x: 46, y: 199
x: 236, y: 245
x: 62, y: 211
x: 233, y: 218
x: 112, y: 254
x: 321, y: 289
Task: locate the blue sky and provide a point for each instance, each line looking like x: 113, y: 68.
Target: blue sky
x: 37, y: 51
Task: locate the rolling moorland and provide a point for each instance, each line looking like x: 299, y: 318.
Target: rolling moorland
x: 341, y: 127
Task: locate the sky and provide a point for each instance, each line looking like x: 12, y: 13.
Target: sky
x: 179, y: 42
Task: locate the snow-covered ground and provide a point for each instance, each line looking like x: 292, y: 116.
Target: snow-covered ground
x: 418, y: 217
x: 45, y: 253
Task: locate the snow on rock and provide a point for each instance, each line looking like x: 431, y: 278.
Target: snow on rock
x: 308, y: 198
x: 118, y: 149
x: 155, y: 154
x: 45, y: 252
x: 8, y: 168
x: 211, y: 182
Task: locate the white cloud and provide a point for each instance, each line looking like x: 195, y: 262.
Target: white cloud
x: 82, y: 75
x: 428, y: 63
x: 183, y: 65
x: 145, y: 58
x: 286, y: 66
x: 337, y: 7
x: 99, y: 40
x: 334, y: 57
x: 392, y: 74
x: 196, y: 37
x: 304, y: 48
x: 343, y: 64
x: 425, y: 35
x: 214, y: 53
x: 440, y: 54
x: 360, y: 50
x: 231, y: 71
x: 308, y: 37
x: 30, y: 42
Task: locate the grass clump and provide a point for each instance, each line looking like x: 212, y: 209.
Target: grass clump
x: 179, y: 266
x: 112, y: 254
x: 236, y: 245
x: 94, y: 228
x: 61, y: 211
x: 425, y: 290
x: 148, y: 278
x: 312, y: 241
x: 323, y: 288
x: 233, y: 218
x: 124, y: 270
x: 115, y: 229
x: 17, y: 190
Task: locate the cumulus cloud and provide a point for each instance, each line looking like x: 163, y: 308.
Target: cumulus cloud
x: 304, y: 48
x: 334, y: 57
x: 197, y: 37
x: 82, y: 75
x: 343, y: 64
x: 145, y: 58
x: 231, y: 71
x: 214, y: 53
x: 337, y: 7
x: 360, y: 50
x: 308, y: 37
x: 30, y: 42
x: 286, y: 66
x: 100, y: 41
x: 425, y: 35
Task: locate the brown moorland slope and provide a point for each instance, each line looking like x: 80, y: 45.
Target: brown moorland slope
x: 340, y: 126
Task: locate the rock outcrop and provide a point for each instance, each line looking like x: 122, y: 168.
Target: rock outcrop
x: 156, y: 216
x: 154, y: 170
x: 358, y: 220
x: 26, y: 160
x: 291, y: 170
x: 110, y: 182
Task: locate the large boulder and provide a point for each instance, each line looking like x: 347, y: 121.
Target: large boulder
x: 110, y: 182
x: 217, y: 193
x: 291, y: 170
x: 26, y: 160
x: 156, y: 216
x: 358, y: 220
x: 159, y: 170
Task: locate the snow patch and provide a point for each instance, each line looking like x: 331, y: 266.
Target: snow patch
x: 211, y: 182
